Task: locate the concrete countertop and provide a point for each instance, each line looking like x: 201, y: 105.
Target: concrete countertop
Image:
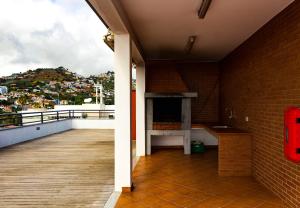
x: 218, y: 131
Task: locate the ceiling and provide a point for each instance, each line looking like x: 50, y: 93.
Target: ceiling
x: 163, y: 26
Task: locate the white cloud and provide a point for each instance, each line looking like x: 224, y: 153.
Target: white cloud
x: 52, y: 33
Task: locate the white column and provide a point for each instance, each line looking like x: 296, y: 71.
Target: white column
x: 140, y: 110
x: 123, y: 160
x: 101, y: 95
x: 96, y: 88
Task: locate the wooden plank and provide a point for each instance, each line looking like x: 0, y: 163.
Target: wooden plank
x: 71, y: 169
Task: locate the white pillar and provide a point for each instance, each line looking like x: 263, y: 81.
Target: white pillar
x: 140, y: 110
x: 96, y: 88
x: 123, y: 160
x: 101, y: 95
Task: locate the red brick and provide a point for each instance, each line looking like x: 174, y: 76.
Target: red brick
x: 203, y: 78
x: 260, y: 79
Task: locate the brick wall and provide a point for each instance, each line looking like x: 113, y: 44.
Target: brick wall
x: 260, y: 79
x: 163, y: 76
x: 166, y: 76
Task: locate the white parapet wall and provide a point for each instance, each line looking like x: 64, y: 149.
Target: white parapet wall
x: 93, y: 124
x: 17, y: 135
x: 21, y: 134
x: 84, y: 107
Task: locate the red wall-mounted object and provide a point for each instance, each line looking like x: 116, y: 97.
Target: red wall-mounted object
x: 292, y: 134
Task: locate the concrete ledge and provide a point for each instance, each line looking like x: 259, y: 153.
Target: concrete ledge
x: 93, y: 124
x: 17, y: 135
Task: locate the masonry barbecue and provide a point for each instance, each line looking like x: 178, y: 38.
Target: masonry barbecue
x: 169, y: 114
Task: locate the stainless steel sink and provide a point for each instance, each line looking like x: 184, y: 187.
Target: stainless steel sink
x: 221, y: 127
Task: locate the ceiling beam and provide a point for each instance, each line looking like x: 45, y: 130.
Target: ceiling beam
x: 112, y: 14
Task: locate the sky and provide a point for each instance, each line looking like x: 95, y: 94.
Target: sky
x: 52, y: 33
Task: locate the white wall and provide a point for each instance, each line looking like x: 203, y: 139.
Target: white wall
x: 84, y: 107
x: 109, y: 107
x: 200, y: 134
x: 74, y: 107
x: 93, y: 124
x: 17, y: 135
x: 140, y: 111
x: 197, y: 134
x: 167, y: 141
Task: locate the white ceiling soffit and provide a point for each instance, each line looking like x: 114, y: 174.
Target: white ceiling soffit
x: 163, y: 26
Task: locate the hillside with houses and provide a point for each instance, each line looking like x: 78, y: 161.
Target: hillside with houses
x: 46, y: 87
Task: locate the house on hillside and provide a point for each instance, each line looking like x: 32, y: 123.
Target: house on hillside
x: 3, y: 90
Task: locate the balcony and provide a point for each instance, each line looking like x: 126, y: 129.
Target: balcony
x: 20, y: 127
x: 245, y: 73
x: 70, y: 169
x: 76, y: 169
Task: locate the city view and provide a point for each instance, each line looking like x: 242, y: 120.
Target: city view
x: 64, y: 64
x: 44, y: 88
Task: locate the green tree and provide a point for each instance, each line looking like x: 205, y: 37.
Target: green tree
x: 23, y: 100
x: 108, y: 83
x: 36, y: 105
x: 57, y: 87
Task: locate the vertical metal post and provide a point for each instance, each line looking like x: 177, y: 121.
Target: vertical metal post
x: 57, y: 115
x: 21, y: 119
x: 42, y: 117
x: 69, y: 114
x: 14, y: 120
x: 99, y: 114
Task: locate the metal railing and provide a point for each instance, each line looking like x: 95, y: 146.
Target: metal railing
x: 11, y: 120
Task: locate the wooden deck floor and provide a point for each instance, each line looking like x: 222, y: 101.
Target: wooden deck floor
x: 71, y: 169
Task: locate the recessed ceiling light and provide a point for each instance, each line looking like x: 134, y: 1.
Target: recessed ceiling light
x: 203, y: 9
x: 190, y: 44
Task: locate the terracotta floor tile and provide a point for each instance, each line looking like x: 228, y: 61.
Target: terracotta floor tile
x: 178, y: 199
x: 135, y: 205
x: 155, y: 201
x: 170, y: 179
x: 214, y: 202
x: 245, y: 202
x: 270, y: 205
x: 123, y: 201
